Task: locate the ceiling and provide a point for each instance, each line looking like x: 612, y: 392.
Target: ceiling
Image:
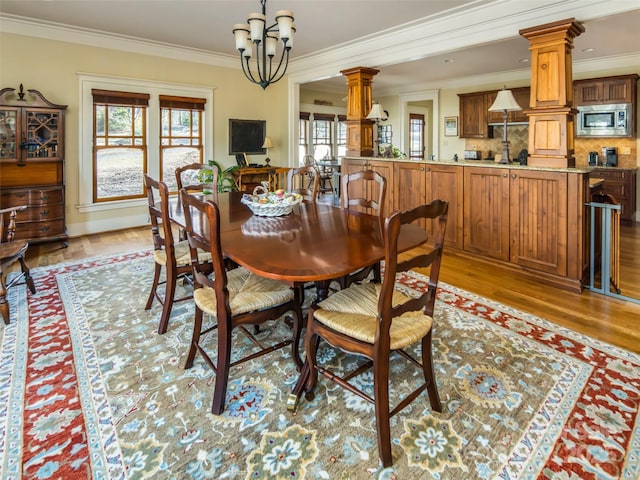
x: 325, y: 27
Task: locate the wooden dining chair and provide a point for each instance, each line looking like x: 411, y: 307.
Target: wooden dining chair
x: 236, y: 298
x: 376, y: 320
x: 172, y: 255
x: 325, y: 175
x: 363, y: 191
x: 12, y: 251
x: 189, y: 177
x: 296, y: 178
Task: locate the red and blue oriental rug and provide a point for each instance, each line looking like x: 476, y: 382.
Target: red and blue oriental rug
x: 89, y: 390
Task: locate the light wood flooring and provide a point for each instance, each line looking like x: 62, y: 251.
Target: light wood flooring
x: 602, y: 317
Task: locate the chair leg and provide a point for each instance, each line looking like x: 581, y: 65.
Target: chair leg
x: 383, y: 427
x: 222, y: 374
x: 27, y: 276
x: 195, y: 338
x: 154, y: 286
x: 429, y: 374
x: 167, y: 304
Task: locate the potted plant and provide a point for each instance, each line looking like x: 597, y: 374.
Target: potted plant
x: 226, y: 179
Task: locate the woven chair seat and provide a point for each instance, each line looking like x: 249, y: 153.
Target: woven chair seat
x: 354, y: 311
x: 247, y: 293
x: 183, y: 256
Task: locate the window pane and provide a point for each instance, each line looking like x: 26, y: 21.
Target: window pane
x: 175, y: 157
x: 120, y: 120
x: 119, y: 173
x: 100, y: 119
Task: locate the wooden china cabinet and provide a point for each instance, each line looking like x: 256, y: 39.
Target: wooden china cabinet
x: 32, y: 163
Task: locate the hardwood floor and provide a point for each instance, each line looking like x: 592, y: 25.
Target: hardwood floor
x: 605, y: 318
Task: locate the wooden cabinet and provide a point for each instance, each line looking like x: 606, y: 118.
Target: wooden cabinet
x: 538, y: 202
x: 473, y: 115
x: 475, y: 118
x: 486, y: 212
x: 32, y: 163
x: 621, y: 184
x: 418, y: 183
x: 383, y: 167
x: 519, y: 216
x: 595, y: 91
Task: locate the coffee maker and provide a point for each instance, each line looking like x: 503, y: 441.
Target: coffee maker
x: 609, y: 156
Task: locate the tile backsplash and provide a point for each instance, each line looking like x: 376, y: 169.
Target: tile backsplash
x: 518, y: 136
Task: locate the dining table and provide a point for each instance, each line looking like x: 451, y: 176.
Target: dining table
x: 317, y: 242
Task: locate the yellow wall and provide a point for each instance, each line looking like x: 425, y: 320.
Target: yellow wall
x: 52, y: 67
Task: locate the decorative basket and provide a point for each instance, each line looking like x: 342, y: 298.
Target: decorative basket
x: 271, y: 204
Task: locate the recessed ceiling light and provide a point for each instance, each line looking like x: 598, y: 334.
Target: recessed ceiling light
x: 449, y: 60
x: 524, y: 60
x: 587, y: 50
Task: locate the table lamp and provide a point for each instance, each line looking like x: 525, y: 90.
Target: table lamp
x: 376, y: 114
x: 267, y: 145
x: 505, y: 103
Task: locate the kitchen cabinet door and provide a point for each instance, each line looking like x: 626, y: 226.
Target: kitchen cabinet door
x: 409, y: 185
x: 445, y: 182
x: 486, y: 212
x: 538, y: 210
x: 473, y: 115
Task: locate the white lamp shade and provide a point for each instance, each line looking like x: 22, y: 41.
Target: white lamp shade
x: 256, y: 24
x: 505, y: 102
x: 267, y: 143
x: 285, y: 23
x: 272, y: 41
x: 241, y: 31
x: 376, y: 113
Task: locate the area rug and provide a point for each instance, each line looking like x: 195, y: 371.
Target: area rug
x: 88, y: 389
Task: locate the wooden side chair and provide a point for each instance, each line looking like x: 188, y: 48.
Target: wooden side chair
x: 363, y: 191
x: 173, y: 256
x: 374, y: 321
x: 12, y: 251
x: 236, y: 298
x: 296, y: 182
x: 189, y: 177
x: 325, y: 176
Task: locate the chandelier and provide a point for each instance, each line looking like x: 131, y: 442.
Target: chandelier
x: 266, y: 40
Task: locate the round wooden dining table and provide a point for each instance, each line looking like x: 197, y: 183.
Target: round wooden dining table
x: 317, y: 242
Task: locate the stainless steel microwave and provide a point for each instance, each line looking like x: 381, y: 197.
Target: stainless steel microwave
x: 604, y: 120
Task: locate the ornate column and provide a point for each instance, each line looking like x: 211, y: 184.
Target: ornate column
x: 551, y: 117
x: 359, y: 101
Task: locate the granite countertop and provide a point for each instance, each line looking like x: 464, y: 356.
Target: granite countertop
x: 480, y: 163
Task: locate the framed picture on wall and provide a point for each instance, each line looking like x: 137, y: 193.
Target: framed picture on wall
x: 450, y: 126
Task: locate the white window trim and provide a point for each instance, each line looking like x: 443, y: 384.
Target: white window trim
x: 85, y: 134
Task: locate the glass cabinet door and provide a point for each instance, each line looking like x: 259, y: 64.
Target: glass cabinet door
x: 8, y: 132
x: 41, y: 134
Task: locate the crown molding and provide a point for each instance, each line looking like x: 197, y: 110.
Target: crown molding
x: 478, y: 24
x: 17, y: 25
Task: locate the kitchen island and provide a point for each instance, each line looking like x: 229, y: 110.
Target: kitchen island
x: 532, y: 219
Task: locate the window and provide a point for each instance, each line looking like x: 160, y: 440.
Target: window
x: 341, y: 135
x: 303, y: 136
x: 322, y: 135
x: 149, y: 127
x: 416, y: 136
x: 180, y: 135
x: 120, y: 144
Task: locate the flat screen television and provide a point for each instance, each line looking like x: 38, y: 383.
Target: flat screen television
x: 247, y: 136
